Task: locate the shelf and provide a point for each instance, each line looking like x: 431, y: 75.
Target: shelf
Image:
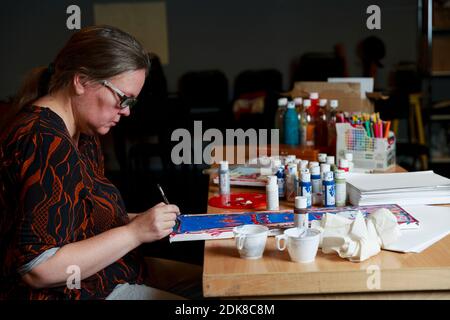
x: 440, y: 160
x: 440, y: 117
x: 440, y: 73
x: 442, y: 104
x: 441, y: 31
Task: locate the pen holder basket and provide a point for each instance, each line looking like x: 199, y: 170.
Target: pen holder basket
x: 368, y: 153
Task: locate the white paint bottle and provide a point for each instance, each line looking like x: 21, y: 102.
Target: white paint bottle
x: 343, y: 165
x: 272, y: 193
x: 316, y: 182
x: 331, y: 162
x: 341, y: 188
x: 313, y: 164
x: 301, y: 219
x: 349, y: 158
x: 306, y: 188
x: 224, y: 178
x: 291, y: 182
x: 322, y: 157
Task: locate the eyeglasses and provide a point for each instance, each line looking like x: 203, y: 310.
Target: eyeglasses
x: 125, y: 101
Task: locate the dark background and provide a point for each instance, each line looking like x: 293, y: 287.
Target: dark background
x: 224, y: 38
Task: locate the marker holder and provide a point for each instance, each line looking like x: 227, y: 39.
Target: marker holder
x: 368, y: 153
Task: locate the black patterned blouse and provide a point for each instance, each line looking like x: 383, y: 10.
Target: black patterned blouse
x: 53, y: 193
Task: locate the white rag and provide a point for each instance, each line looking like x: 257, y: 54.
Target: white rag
x: 358, y: 239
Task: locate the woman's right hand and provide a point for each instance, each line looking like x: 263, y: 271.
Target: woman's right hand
x: 155, y: 223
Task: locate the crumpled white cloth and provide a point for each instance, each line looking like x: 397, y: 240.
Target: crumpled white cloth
x: 358, y: 239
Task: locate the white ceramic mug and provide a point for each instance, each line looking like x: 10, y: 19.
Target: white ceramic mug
x: 251, y: 240
x: 301, y: 248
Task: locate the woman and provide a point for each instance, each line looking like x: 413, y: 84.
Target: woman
x: 60, y: 217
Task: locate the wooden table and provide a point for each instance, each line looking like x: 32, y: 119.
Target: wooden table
x: 401, y: 276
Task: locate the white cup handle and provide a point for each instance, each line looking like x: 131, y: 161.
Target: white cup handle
x: 279, y: 238
x: 241, y: 240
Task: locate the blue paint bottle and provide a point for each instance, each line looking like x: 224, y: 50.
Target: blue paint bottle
x: 291, y: 125
x: 329, y: 189
x: 281, y: 181
x: 306, y: 188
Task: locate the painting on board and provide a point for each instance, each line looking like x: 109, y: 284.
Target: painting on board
x: 220, y: 225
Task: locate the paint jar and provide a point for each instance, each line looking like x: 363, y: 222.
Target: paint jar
x: 303, y: 124
x: 329, y: 189
x: 341, y: 188
x: 330, y: 160
x: 272, y: 193
x: 291, y: 182
x: 311, y: 114
x: 316, y: 186
x: 322, y: 157
x: 275, y: 164
x: 349, y: 158
x: 290, y: 158
x: 304, y: 170
x: 343, y: 165
x: 306, y: 188
x: 224, y: 180
x: 279, y: 116
x: 313, y: 110
x: 299, y: 108
x: 281, y: 180
x: 332, y: 123
x: 321, y: 133
x: 332, y: 163
x: 301, y: 219
x: 313, y: 164
x: 291, y: 125
x: 304, y: 164
x: 298, y: 105
x: 324, y: 167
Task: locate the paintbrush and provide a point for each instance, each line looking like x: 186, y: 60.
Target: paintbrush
x: 177, y: 222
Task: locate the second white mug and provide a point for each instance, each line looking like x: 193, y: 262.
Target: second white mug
x: 301, y: 248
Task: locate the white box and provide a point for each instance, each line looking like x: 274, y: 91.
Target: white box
x: 368, y: 153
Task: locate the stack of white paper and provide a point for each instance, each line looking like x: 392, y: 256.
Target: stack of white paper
x: 434, y: 225
x: 422, y: 187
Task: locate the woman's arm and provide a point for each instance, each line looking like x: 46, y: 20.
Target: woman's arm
x: 96, y: 253
x: 90, y: 255
x: 131, y: 216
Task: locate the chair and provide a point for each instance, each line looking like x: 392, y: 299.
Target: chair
x: 205, y: 95
x: 318, y: 66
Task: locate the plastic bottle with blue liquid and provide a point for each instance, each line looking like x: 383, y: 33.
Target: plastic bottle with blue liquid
x: 291, y: 126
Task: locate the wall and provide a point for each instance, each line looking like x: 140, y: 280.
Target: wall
x: 231, y: 35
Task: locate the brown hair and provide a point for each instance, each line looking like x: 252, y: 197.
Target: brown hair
x: 96, y: 52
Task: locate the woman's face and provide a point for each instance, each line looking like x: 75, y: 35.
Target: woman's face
x: 98, y: 107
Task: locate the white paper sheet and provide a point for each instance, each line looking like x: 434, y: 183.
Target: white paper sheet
x: 434, y: 225
x: 403, y: 181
